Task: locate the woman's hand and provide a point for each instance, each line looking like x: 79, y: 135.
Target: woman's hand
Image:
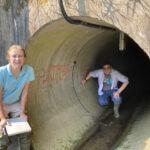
x: 24, y: 116
x: 3, y: 123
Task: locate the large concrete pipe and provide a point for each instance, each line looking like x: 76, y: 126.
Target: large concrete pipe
x: 61, y: 110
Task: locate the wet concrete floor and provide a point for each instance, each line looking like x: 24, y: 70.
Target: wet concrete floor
x: 109, y: 134
x: 138, y: 137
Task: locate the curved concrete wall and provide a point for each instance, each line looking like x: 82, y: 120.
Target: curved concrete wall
x: 61, y: 110
x: 20, y: 19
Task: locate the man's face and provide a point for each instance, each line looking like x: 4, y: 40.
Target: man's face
x: 107, y: 69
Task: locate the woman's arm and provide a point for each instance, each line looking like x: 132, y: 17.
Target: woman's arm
x: 1, y: 104
x: 3, y: 120
x: 24, y: 100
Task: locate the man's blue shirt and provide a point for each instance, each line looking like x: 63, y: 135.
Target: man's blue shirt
x: 12, y: 87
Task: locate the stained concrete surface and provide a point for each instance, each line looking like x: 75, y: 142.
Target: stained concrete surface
x: 105, y: 138
x: 20, y: 20
x: 138, y: 138
x: 130, y: 131
x: 65, y: 110
x: 108, y: 133
x: 61, y: 55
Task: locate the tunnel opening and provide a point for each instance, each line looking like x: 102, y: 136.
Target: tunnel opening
x: 61, y: 55
x: 134, y: 63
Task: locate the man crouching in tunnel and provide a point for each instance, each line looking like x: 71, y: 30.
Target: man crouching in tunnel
x: 107, y: 80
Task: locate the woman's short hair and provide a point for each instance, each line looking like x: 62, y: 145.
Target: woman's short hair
x: 16, y: 47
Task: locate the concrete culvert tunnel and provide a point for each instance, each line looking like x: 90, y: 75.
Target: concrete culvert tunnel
x: 61, y: 109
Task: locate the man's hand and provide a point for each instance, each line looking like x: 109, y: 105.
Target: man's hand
x: 24, y: 116
x: 116, y: 94
x: 83, y: 82
x: 3, y: 123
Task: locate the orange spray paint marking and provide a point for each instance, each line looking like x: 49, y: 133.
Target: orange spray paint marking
x: 54, y: 73
x: 58, y: 72
x: 43, y: 74
x: 147, y: 147
x: 39, y: 2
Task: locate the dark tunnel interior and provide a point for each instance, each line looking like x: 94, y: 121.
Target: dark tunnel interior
x: 134, y: 63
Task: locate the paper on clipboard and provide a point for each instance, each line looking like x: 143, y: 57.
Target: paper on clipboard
x: 17, y: 126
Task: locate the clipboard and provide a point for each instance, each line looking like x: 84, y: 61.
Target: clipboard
x: 17, y: 126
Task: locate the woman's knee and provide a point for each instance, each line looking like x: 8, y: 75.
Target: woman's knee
x: 4, y: 141
x: 22, y: 141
